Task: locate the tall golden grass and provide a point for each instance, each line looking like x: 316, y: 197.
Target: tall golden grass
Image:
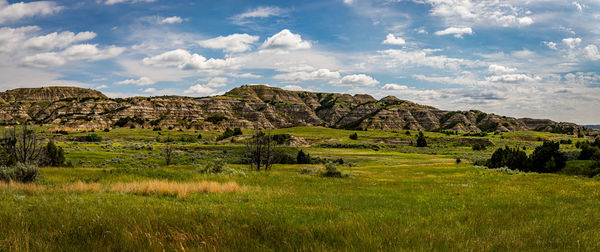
x: 21, y: 187
x: 161, y: 187
x: 152, y: 187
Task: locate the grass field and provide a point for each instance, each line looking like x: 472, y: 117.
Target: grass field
x: 396, y: 198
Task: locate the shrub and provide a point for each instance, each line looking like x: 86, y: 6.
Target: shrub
x: 107, y: 130
x: 354, y: 136
x: 310, y: 170
x: 20, y: 173
x: 281, y: 138
x: 302, y: 158
x: 547, y: 158
x: 218, y: 166
x: 216, y: 119
x: 421, y: 141
x: 458, y: 161
x: 199, y: 136
x: 589, y: 152
x: 514, y: 159
x: 407, y: 133
x: 229, y: 133
x: 584, y: 169
x: 331, y: 170
x: 213, y: 166
x: 479, y: 147
x: 55, y: 154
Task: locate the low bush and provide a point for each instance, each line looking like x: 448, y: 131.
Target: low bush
x: 310, y: 170
x: 354, y: 136
x: 218, y: 166
x: 92, y: 138
x: 24, y: 173
x: 332, y: 171
x: 479, y: 147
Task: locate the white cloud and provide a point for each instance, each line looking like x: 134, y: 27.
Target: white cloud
x: 510, y: 78
x: 390, y: 39
x: 186, y: 61
x: 501, y: 69
x: 50, y: 59
x: 523, y: 53
x: 75, y: 52
x: 393, y: 58
x: 91, y: 52
x: 591, y: 52
x: 481, y: 13
x: 16, y: 11
x: 348, y: 1
x: 392, y: 86
x: 101, y: 87
x: 358, y: 80
x: 232, y: 43
x: 217, y: 82
x: 142, y: 81
x: 149, y: 90
x: 111, y: 2
x: 171, y: 20
x: 260, y: 12
x: 57, y: 40
x: 320, y: 74
x: 457, y: 31
x: 285, y: 39
x: 199, y: 90
x: 550, y: 45
x: 293, y: 88
x: 571, y: 43
x: 12, y: 38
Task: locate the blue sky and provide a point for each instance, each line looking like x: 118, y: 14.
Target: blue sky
x: 516, y: 58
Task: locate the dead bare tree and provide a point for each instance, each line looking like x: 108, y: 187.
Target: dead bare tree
x: 259, y: 151
x: 24, y: 145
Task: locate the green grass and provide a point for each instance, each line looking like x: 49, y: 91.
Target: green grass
x: 397, y: 198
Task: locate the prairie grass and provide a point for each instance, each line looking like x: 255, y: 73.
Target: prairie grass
x: 179, y: 189
x: 146, y: 188
x: 29, y: 188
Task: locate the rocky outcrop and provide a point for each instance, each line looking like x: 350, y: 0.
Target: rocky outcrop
x: 48, y: 94
x: 250, y: 107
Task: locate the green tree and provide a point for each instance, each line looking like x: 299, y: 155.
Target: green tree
x: 55, y: 154
x: 421, y: 141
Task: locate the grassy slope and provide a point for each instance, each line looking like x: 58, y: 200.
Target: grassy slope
x: 392, y: 201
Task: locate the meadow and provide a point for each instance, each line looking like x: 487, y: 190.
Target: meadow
x: 120, y: 195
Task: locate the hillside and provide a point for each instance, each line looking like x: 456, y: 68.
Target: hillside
x: 250, y: 107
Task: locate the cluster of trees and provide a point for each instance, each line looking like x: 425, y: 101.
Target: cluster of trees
x: 545, y: 159
x: 230, y: 133
x: 22, y: 151
x: 589, y: 150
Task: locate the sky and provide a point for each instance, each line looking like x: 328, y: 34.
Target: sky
x: 520, y: 58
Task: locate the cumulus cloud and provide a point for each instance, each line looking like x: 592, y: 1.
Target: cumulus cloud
x: 293, y: 88
x: 591, y: 52
x: 75, y: 52
x: 40, y: 60
x: 184, y: 60
x: 232, y: 43
x: 458, y: 32
x: 57, y: 40
x: 171, y: 20
x: 285, y: 39
x: 17, y: 11
x: 358, y: 80
x: 393, y: 86
x: 571, y: 43
x: 142, y: 81
x: 111, y: 2
x: 199, y: 89
x: 483, y: 13
x: 393, y: 58
x: 259, y: 12
x: 320, y: 74
x: 12, y: 38
x: 510, y: 78
x: 501, y: 69
x: 550, y: 45
x: 390, y: 39
x: 217, y: 82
